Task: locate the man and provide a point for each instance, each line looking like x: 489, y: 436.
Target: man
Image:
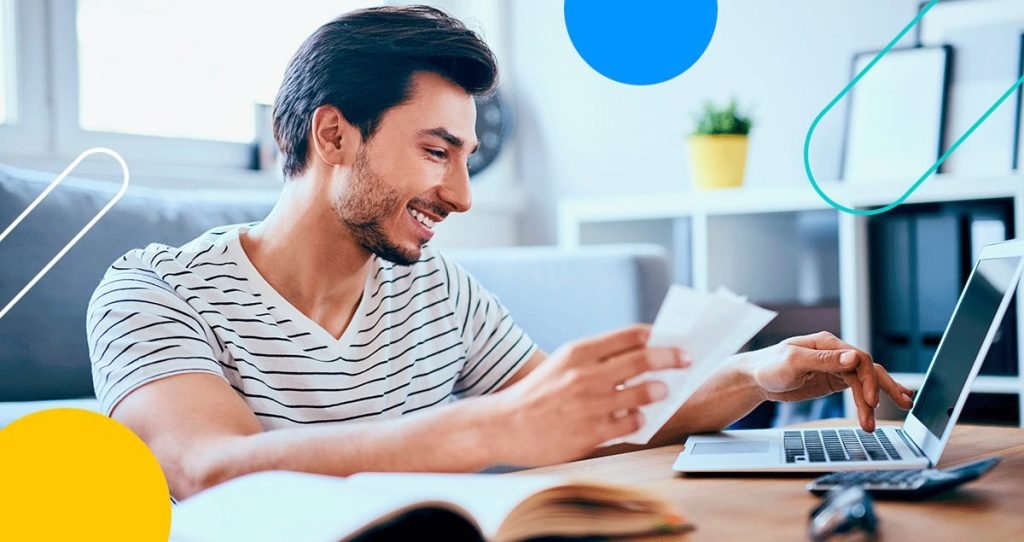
x: 328, y: 338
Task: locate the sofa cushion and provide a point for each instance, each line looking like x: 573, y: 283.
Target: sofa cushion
x: 43, y: 353
x: 12, y: 411
x: 558, y: 295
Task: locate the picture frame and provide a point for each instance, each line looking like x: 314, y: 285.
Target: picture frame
x: 896, y: 114
x: 986, y: 37
x: 1018, y: 132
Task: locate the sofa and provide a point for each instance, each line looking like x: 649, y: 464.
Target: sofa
x: 556, y: 295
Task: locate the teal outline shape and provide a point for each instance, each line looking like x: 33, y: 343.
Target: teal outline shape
x: 807, y: 141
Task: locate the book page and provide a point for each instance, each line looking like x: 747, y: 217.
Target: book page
x: 279, y: 505
x: 300, y: 507
x: 488, y: 497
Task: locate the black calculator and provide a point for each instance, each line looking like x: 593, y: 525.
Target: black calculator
x: 904, y: 484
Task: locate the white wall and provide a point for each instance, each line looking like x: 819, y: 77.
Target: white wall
x: 581, y: 134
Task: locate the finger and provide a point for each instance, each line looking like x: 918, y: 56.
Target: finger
x: 621, y: 425
x: 836, y: 382
x: 625, y: 366
x: 822, y: 340
x: 638, y: 395
x: 865, y: 413
x: 805, y: 360
x: 611, y: 344
x: 842, y: 361
x: 865, y: 363
x: 901, y: 395
x: 867, y: 376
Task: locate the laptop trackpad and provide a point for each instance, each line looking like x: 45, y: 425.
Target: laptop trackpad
x: 739, y: 447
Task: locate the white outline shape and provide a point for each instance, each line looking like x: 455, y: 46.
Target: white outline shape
x: 60, y: 178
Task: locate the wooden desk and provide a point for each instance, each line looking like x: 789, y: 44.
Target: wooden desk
x: 776, y: 507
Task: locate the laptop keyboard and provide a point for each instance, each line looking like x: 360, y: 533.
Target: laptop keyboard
x: 833, y: 445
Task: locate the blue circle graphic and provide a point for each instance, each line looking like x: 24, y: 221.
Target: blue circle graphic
x: 641, y: 42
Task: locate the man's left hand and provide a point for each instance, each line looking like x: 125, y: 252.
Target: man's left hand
x: 812, y: 366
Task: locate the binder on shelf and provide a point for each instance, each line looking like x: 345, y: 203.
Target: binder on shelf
x: 899, y: 358
x: 919, y: 260
x: 939, y: 259
x: 891, y: 291
x: 892, y: 287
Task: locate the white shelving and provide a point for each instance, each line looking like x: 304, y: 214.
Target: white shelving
x: 756, y: 242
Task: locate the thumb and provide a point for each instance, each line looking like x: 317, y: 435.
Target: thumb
x: 833, y: 361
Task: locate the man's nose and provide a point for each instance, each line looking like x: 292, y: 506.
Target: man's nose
x: 456, y: 191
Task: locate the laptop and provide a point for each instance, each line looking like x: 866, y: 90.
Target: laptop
x: 921, y: 439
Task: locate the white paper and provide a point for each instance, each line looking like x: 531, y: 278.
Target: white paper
x: 710, y: 327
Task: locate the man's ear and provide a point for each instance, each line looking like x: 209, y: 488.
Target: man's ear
x: 333, y: 139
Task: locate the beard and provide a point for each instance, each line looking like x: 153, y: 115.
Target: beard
x: 366, y: 203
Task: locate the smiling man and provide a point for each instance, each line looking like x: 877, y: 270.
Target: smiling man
x: 330, y: 338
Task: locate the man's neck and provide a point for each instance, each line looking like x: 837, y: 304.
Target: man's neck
x: 308, y: 257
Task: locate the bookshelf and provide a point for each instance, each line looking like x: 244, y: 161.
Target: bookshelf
x: 786, y: 247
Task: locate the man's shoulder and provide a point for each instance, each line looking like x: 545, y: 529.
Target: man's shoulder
x: 163, y: 268
x: 211, y: 244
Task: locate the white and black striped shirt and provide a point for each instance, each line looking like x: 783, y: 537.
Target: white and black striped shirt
x: 421, y: 336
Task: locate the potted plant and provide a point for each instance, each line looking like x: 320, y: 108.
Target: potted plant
x: 718, y: 146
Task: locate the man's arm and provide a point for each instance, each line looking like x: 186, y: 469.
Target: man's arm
x: 535, y: 360
x: 728, y: 396
x: 212, y: 435
x: 796, y: 369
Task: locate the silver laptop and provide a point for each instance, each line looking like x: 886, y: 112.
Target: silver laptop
x: 919, y: 443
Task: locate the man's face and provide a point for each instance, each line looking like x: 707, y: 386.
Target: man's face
x: 412, y: 172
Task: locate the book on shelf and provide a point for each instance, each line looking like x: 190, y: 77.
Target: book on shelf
x: 298, y: 507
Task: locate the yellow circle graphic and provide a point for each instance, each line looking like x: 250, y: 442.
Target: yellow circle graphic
x: 71, y: 474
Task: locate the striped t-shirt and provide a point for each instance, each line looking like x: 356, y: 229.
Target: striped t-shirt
x: 421, y: 335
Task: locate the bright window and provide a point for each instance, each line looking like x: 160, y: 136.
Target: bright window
x: 6, y: 61
x: 190, y: 68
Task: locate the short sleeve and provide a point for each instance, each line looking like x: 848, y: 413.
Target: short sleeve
x: 139, y: 330
x: 495, y: 345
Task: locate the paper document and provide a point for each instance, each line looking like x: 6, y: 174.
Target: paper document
x: 710, y: 327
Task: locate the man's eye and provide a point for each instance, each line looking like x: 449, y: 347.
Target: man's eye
x: 437, y: 153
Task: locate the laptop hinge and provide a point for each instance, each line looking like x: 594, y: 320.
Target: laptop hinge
x: 911, y: 444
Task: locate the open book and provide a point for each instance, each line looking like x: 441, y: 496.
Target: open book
x: 300, y: 507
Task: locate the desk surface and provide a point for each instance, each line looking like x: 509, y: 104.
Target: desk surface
x: 775, y: 507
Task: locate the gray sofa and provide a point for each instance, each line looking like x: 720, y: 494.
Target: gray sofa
x: 555, y: 295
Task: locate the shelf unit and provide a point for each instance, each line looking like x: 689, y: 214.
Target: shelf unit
x: 785, y: 244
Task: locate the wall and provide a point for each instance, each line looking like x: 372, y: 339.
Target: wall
x: 583, y: 135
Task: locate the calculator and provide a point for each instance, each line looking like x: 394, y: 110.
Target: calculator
x: 904, y: 484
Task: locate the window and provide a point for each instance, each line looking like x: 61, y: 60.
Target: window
x: 6, y: 62
x: 24, y: 117
x: 198, y: 67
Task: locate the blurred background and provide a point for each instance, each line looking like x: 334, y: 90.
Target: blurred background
x: 574, y: 159
x: 173, y: 86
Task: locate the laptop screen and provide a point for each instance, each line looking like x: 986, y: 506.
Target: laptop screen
x: 962, y: 343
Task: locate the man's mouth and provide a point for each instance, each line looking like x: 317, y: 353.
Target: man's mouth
x: 427, y: 221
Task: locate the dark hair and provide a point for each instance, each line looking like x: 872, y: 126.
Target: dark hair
x: 362, y: 63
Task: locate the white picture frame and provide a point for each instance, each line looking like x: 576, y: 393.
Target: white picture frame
x: 985, y: 36
x: 895, y: 116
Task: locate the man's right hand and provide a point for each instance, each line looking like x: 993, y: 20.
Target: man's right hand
x: 575, y: 400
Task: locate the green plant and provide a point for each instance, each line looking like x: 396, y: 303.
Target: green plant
x: 713, y: 120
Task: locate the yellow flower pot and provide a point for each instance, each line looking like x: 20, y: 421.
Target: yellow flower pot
x: 718, y: 161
